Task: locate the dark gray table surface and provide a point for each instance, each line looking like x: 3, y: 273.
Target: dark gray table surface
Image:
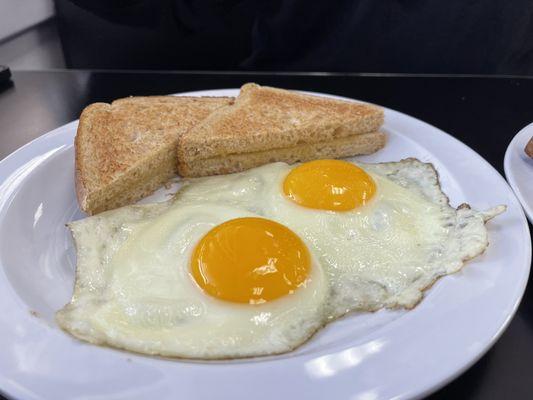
x: 483, y: 112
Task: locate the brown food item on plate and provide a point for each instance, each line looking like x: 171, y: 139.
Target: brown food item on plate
x: 127, y: 149
x: 529, y: 148
x: 365, y: 143
x: 267, y: 124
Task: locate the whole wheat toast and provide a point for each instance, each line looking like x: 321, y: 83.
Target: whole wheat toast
x: 264, y: 119
x: 127, y: 149
x: 365, y: 143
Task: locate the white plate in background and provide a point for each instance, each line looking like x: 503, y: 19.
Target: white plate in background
x: 382, y: 355
x: 518, y: 168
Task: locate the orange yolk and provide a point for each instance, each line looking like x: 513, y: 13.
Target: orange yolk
x: 329, y: 185
x: 250, y: 260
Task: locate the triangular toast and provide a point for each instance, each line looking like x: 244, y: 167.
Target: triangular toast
x: 127, y: 149
x: 265, y: 119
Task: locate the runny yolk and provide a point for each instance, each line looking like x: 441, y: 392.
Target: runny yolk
x: 329, y: 185
x: 250, y: 260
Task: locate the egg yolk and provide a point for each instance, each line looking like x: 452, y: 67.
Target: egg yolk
x: 329, y: 185
x: 250, y: 260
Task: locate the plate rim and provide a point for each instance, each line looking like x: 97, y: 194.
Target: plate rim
x: 23, y: 150
x: 509, y: 171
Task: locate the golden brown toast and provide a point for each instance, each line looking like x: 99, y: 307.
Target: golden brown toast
x: 127, y: 149
x: 365, y: 143
x: 265, y: 119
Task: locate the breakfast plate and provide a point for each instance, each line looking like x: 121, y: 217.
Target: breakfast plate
x: 519, y: 169
x: 381, y: 355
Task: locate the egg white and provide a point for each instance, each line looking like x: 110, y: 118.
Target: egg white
x: 383, y: 254
x: 134, y: 289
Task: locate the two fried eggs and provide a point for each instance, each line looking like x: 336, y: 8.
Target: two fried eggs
x: 254, y: 263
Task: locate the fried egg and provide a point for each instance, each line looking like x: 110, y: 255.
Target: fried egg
x: 197, y: 281
x: 382, y: 249
x: 254, y: 263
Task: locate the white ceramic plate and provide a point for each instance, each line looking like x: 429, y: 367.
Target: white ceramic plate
x: 388, y: 354
x: 519, y: 169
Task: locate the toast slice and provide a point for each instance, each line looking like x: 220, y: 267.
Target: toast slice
x: 264, y: 120
x: 365, y: 143
x: 127, y: 149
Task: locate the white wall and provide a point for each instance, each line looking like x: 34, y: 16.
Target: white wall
x: 17, y: 15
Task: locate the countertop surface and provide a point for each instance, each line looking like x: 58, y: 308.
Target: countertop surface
x: 483, y: 112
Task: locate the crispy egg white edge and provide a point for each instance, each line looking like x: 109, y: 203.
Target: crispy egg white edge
x: 469, y: 222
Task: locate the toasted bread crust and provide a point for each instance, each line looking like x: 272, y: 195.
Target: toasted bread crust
x: 81, y: 156
x: 343, y: 147
x: 265, y: 118
x: 127, y: 149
